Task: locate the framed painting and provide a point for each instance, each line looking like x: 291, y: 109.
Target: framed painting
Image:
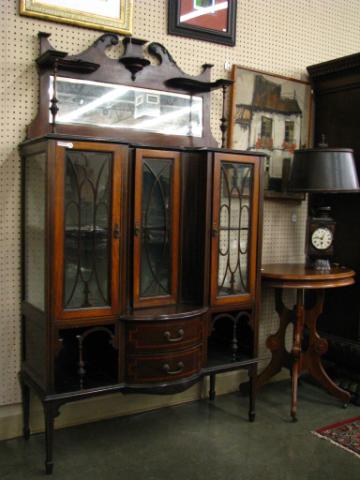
x: 271, y: 114
x: 109, y: 15
x: 210, y: 20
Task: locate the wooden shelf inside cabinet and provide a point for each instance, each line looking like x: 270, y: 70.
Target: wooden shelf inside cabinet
x: 220, y: 361
x: 71, y: 383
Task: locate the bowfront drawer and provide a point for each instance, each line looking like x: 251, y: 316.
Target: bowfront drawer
x: 163, y: 336
x: 166, y: 367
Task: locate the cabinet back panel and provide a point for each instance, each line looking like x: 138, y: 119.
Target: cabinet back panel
x: 194, y: 243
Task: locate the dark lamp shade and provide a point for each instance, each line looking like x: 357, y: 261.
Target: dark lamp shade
x: 323, y: 170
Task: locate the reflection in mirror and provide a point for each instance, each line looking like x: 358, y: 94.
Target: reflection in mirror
x: 118, y: 106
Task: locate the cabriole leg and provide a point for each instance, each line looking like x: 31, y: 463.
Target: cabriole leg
x: 276, y: 342
x: 296, y: 350
x: 50, y: 415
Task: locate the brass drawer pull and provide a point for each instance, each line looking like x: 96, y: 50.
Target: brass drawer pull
x: 180, y: 336
x: 166, y: 368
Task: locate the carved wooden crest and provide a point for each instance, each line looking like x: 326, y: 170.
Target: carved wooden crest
x: 140, y: 66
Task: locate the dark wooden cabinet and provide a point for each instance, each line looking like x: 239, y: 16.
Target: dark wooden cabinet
x: 141, y: 250
x: 336, y: 86
x: 116, y: 246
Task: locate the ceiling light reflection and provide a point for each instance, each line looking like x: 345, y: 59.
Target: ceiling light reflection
x: 204, y: 11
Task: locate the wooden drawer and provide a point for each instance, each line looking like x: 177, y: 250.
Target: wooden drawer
x: 166, y: 367
x: 163, y: 336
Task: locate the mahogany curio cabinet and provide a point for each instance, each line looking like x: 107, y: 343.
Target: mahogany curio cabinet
x: 142, y: 239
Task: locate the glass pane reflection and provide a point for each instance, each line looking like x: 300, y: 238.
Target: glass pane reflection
x: 35, y: 202
x: 155, y: 228
x: 87, y: 229
x: 234, y: 225
x: 118, y: 106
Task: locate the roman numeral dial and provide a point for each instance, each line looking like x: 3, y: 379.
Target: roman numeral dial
x: 322, y: 238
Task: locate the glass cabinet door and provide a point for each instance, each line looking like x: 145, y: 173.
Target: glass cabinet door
x: 234, y: 228
x: 88, y: 228
x: 35, y: 229
x: 156, y: 227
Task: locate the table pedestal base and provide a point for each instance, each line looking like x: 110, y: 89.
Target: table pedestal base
x: 299, y: 361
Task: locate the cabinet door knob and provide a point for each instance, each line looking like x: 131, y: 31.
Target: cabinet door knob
x: 117, y: 231
x: 215, y: 230
x: 166, y: 368
x: 171, y: 339
x: 136, y: 229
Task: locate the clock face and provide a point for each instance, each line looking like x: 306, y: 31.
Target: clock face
x: 321, y: 238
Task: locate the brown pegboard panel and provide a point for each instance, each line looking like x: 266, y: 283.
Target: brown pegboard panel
x: 280, y: 36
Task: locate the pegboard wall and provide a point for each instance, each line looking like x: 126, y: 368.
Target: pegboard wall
x: 280, y: 36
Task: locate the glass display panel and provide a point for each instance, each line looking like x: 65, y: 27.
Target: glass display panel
x: 35, y: 210
x: 87, y: 222
x: 234, y: 228
x: 155, y: 266
x: 118, y: 106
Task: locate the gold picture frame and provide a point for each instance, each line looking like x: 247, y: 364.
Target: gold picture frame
x: 108, y: 15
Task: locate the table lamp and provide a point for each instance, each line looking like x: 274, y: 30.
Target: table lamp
x: 322, y: 170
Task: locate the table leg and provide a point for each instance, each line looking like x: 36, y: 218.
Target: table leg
x: 317, y: 347
x: 51, y: 411
x: 296, y: 351
x: 26, y: 409
x: 49, y: 434
x: 276, y: 343
x: 212, y: 391
x: 252, y: 392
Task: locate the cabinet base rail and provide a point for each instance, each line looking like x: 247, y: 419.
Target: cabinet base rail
x: 54, y: 401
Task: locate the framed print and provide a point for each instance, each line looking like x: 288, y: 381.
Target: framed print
x: 271, y: 114
x: 210, y: 20
x: 109, y: 15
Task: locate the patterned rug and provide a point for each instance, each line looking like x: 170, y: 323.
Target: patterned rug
x: 344, y: 434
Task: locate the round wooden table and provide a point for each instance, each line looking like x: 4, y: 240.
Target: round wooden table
x: 301, y: 278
